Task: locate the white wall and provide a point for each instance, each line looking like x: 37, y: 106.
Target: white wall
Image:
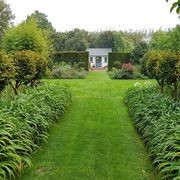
x: 93, y: 63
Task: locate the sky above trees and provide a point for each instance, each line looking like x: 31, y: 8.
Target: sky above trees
x: 95, y: 15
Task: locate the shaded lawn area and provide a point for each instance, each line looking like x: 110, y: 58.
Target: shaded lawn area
x: 95, y: 140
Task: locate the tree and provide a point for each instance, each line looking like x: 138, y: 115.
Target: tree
x: 168, y: 68
x: 59, y: 41
x: 7, y: 70
x: 41, y: 20
x: 166, y: 40
x: 164, y: 66
x: 45, y: 25
x: 138, y: 52
x: 105, y: 40
x: 41, y: 66
x: 175, y: 5
x: 30, y: 66
x: 121, y: 43
x: 26, y: 36
x: 6, y: 17
x: 76, y: 40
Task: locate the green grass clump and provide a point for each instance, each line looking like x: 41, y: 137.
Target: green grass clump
x: 157, y: 119
x: 25, y: 122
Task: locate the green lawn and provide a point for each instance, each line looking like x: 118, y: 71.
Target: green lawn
x: 95, y: 140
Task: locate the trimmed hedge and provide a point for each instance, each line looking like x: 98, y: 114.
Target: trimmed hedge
x: 72, y: 57
x: 114, y: 58
x: 156, y: 118
x: 117, y: 57
x: 25, y: 122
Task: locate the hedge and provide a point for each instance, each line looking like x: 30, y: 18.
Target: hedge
x: 117, y: 57
x: 72, y: 57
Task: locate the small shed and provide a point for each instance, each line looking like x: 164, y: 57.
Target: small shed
x: 98, y: 57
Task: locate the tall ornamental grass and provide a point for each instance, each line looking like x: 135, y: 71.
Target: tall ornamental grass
x: 157, y: 120
x: 25, y: 122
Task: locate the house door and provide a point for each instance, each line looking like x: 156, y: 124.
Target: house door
x: 98, y: 61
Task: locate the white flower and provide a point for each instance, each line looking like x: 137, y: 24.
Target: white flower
x: 137, y: 84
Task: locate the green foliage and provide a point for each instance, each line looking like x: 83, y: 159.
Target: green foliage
x: 122, y: 43
x: 117, y: 57
x: 77, y: 40
x: 105, y: 40
x: 7, y: 70
x: 72, y: 57
x: 164, y: 67
x: 66, y: 71
x: 26, y: 36
x: 156, y: 119
x: 166, y: 40
x: 30, y: 66
x: 176, y: 6
x: 25, y: 122
x: 138, y: 52
x: 41, y: 20
x: 5, y: 17
x: 124, y: 74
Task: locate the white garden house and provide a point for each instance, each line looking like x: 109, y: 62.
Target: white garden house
x: 98, y: 57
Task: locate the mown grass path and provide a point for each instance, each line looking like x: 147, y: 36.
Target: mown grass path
x: 95, y: 140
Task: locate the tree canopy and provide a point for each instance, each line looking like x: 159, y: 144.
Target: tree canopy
x: 6, y: 17
x: 41, y: 20
x: 25, y: 36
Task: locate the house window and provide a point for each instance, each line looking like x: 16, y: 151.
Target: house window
x: 105, y: 59
x: 91, y: 59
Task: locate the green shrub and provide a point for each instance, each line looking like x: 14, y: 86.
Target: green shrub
x: 25, y: 122
x: 156, y: 118
x: 117, y: 57
x: 117, y: 64
x: 165, y: 68
x: 72, y: 57
x: 7, y: 70
x: 26, y: 36
x: 127, y: 71
x: 30, y: 66
x: 66, y: 71
x: 121, y: 74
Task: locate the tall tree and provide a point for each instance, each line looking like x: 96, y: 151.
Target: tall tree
x: 76, y: 40
x: 41, y: 20
x: 105, y: 40
x: 121, y: 43
x: 139, y: 51
x: 166, y: 40
x: 6, y: 17
x: 26, y: 36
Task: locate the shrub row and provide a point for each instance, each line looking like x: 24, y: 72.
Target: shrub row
x: 117, y: 58
x: 156, y: 119
x: 66, y: 71
x: 71, y: 57
x: 25, y: 122
x: 123, y: 74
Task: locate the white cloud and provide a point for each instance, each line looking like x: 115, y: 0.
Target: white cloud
x: 99, y: 14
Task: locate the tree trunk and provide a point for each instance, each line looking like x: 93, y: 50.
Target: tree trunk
x: 14, y: 89
x: 175, y: 94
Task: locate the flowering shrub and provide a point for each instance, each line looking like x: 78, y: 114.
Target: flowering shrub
x: 127, y: 67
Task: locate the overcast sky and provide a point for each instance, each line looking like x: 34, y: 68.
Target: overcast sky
x: 95, y: 15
